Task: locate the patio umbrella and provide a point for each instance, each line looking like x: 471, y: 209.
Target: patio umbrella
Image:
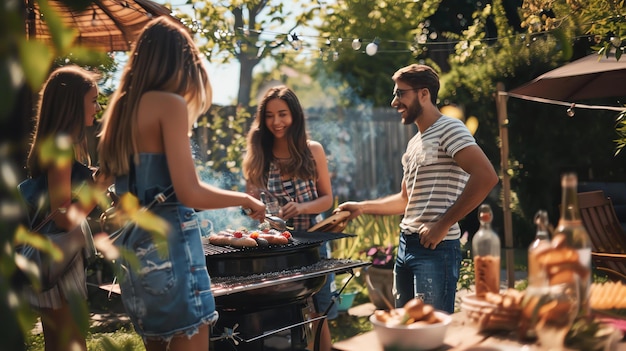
x: 590, y: 77
x: 107, y: 25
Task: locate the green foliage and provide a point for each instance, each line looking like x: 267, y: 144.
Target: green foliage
x: 621, y: 132
x: 467, y: 278
x: 353, y: 68
x: 602, y: 21
x: 221, y: 139
x: 227, y: 30
x: 371, y: 231
x: 122, y: 339
x: 588, y: 334
x: 466, y: 275
x: 346, y: 326
x: 580, y: 142
x: 349, y: 282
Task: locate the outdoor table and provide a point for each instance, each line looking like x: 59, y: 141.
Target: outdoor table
x: 461, y: 335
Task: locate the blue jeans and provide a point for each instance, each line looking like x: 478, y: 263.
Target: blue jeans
x: 433, y: 273
x: 169, y: 292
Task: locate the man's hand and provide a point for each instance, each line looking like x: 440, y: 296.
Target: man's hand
x: 352, y: 206
x: 431, y: 234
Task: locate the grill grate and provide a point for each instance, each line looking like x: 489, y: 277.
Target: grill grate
x: 233, y: 284
x: 301, y: 239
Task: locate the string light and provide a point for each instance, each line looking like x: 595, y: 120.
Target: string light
x: 615, y: 41
x: 94, y: 19
x: 372, y: 48
x: 356, y: 43
x: 570, y: 111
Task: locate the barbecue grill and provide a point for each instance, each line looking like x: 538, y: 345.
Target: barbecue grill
x: 261, y: 293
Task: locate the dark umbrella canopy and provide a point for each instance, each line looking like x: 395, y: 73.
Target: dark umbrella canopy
x: 107, y: 25
x: 590, y: 77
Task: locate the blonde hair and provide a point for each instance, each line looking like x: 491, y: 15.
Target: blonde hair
x: 165, y: 58
x: 61, y: 111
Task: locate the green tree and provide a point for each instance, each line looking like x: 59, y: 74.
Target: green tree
x: 543, y: 140
x: 24, y: 65
x: 492, y: 44
x: 395, y: 26
x: 602, y: 22
x: 248, y: 31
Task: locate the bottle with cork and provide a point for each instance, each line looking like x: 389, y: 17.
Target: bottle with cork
x: 537, y: 278
x: 536, y: 275
x: 486, y: 252
x: 570, y: 228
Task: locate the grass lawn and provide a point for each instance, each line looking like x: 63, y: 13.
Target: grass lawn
x: 115, y: 335
x: 109, y: 333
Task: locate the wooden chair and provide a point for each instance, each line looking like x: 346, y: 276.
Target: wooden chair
x: 608, y: 239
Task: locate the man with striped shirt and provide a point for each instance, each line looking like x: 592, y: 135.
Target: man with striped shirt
x: 446, y: 176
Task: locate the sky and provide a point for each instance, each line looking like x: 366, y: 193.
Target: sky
x: 225, y: 82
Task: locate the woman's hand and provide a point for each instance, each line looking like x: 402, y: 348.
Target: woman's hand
x: 255, y: 209
x: 291, y: 209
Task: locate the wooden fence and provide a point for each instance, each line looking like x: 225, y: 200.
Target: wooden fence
x: 364, y: 151
x: 364, y: 148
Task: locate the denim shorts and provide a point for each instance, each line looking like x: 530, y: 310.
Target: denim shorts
x: 433, y: 273
x: 169, y: 293
x: 322, y: 299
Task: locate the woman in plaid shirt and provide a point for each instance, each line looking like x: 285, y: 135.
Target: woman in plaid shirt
x: 289, y: 173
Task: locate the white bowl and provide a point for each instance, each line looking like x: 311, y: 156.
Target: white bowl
x: 415, y: 337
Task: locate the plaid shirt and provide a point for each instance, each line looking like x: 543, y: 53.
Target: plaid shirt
x: 301, y: 191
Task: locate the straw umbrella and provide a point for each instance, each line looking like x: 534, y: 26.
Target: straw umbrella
x: 104, y: 25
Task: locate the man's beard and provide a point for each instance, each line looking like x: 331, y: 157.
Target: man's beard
x: 413, y: 112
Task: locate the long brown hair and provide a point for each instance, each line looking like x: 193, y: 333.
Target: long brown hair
x: 260, y: 141
x: 164, y: 58
x: 61, y: 111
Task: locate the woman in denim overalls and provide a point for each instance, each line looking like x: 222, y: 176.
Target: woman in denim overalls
x: 145, y: 145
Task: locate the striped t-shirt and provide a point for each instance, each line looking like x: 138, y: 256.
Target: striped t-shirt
x: 433, y: 180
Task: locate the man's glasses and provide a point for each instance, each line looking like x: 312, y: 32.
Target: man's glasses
x: 399, y: 92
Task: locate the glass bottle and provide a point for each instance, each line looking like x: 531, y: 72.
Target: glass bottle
x: 486, y: 251
x: 536, y: 276
x: 571, y: 227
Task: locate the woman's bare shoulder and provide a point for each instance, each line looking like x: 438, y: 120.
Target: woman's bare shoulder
x: 162, y: 98
x: 162, y: 105
x: 315, y: 146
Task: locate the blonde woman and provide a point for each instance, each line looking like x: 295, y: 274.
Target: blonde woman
x: 145, y: 145
x: 67, y: 106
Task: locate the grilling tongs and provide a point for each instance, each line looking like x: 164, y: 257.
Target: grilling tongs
x: 277, y: 223
x: 274, y: 221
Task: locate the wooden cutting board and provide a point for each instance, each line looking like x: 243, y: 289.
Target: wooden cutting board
x: 335, y: 223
